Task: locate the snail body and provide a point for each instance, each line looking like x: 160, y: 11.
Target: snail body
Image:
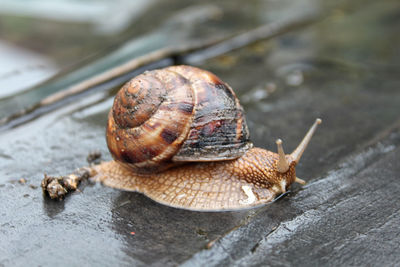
x: 179, y: 136
x: 208, y: 186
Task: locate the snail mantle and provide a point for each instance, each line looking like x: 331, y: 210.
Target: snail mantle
x: 179, y: 136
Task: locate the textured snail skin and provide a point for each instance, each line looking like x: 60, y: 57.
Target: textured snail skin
x: 246, y: 182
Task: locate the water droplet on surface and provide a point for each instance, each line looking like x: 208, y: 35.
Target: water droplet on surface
x: 295, y: 78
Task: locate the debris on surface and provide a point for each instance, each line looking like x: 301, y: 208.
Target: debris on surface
x: 21, y: 181
x: 94, y: 157
x: 210, y: 244
x: 57, y: 187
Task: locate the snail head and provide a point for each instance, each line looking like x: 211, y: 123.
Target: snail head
x: 286, y: 161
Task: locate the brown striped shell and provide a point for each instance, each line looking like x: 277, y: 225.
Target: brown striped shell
x: 178, y: 114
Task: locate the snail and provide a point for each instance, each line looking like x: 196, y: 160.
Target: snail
x: 179, y: 136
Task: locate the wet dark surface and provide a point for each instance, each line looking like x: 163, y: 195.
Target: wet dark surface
x: 343, y: 68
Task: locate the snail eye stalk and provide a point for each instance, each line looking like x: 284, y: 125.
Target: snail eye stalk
x: 298, y: 152
x: 283, y: 165
x: 300, y: 181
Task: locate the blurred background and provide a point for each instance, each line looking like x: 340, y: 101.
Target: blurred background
x: 41, y: 38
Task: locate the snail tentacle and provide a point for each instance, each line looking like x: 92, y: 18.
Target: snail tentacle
x: 298, y: 152
x: 283, y: 164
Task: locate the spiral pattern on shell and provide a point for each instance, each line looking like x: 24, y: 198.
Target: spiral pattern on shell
x: 177, y: 114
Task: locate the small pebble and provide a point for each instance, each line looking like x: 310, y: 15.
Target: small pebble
x: 210, y: 244
x: 295, y: 78
x: 94, y: 157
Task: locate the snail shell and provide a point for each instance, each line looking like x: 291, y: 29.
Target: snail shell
x: 179, y: 136
x: 174, y: 115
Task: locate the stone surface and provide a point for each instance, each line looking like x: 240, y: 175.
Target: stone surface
x: 343, y: 68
